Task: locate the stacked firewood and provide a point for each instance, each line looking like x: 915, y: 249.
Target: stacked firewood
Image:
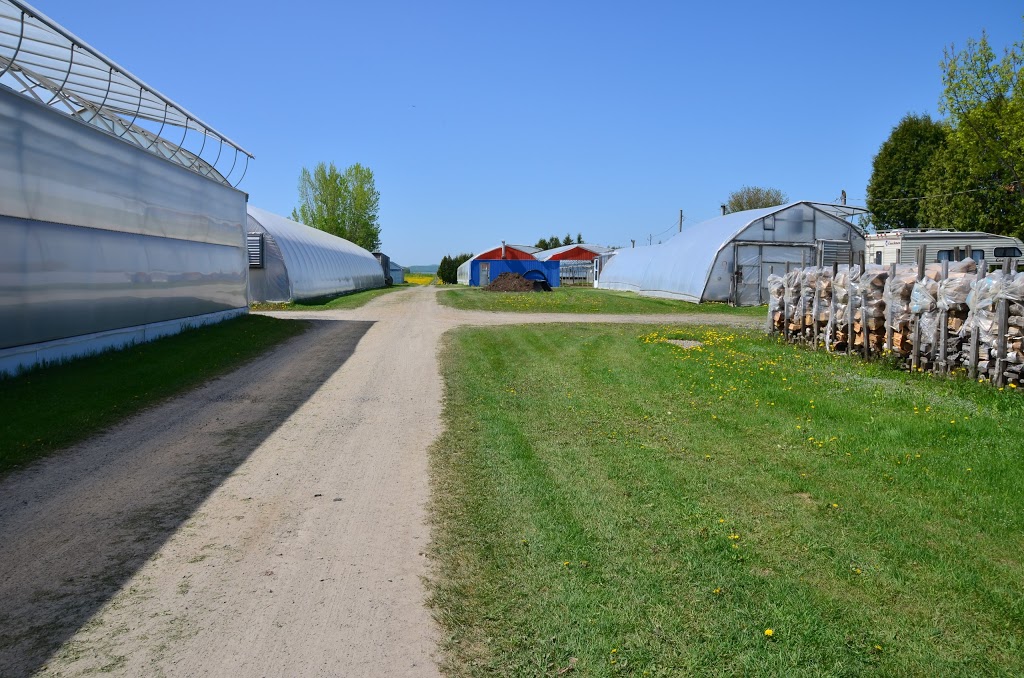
x: 869, y: 316
x: 987, y: 297
x: 896, y: 297
x: 776, y: 302
x: 844, y: 293
x: 795, y: 302
x: 955, y: 319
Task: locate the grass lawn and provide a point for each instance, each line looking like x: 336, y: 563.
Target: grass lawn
x: 578, y: 300
x: 345, y: 301
x: 49, y: 408
x: 607, y: 501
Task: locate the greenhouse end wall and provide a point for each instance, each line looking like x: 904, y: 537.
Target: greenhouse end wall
x: 99, y: 235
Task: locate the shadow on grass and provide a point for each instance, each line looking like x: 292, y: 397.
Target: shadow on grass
x: 74, y: 528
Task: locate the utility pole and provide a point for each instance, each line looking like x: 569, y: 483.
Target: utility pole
x: 681, y: 217
x: 650, y: 238
x: 633, y: 241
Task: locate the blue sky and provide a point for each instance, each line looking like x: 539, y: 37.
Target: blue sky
x: 487, y: 121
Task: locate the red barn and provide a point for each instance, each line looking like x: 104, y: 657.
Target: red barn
x: 577, y: 261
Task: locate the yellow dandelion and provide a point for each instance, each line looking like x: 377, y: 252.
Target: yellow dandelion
x: 769, y: 633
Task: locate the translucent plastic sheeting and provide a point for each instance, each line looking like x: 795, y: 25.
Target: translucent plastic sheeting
x: 45, y: 62
x: 316, y: 264
x: 699, y: 263
x: 60, y: 281
x: 844, y: 288
x: 776, y: 292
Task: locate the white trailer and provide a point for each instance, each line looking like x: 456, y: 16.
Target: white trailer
x: 902, y: 246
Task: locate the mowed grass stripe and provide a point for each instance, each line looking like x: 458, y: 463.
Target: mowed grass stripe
x: 579, y: 300
x: 694, y: 514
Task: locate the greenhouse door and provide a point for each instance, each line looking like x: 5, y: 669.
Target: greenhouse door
x: 485, y: 273
x: 747, y: 276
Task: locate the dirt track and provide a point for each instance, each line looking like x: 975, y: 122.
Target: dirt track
x: 270, y: 523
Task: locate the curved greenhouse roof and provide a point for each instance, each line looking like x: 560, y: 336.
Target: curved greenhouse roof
x: 568, y: 253
x: 45, y: 62
x: 714, y: 260
x: 299, y: 262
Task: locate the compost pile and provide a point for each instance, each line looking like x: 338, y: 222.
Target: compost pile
x: 514, y: 282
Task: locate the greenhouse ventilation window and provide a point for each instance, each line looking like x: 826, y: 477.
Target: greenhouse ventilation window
x: 254, y: 242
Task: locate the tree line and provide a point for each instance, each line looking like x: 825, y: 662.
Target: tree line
x: 448, y: 269
x: 963, y: 172
x: 553, y: 242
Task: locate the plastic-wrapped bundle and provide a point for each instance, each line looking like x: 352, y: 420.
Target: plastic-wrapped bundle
x: 844, y: 286
x: 922, y: 297
x: 791, y: 285
x: 964, y: 266
x: 952, y: 293
x: 870, y: 287
x: 776, y: 290
x: 896, y: 294
x: 808, y: 284
x: 1014, y: 288
x: 929, y: 323
x: 982, y: 302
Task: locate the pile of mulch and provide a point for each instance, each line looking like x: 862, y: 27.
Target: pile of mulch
x: 513, y: 282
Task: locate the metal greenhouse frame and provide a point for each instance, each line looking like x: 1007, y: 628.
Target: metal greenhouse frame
x: 119, y: 219
x: 47, y: 63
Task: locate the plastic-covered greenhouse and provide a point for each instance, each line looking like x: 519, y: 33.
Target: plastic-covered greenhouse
x: 729, y: 258
x: 289, y: 261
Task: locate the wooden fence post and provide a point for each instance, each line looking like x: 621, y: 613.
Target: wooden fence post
x: 831, y: 309
x: 942, y: 329
x: 1002, y: 327
x: 972, y: 357
x: 915, y: 360
x: 888, y: 310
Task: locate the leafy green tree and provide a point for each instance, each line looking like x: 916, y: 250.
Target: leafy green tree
x: 344, y: 204
x: 983, y: 96
x: 898, y: 171
x: 754, y: 197
x: 975, y: 182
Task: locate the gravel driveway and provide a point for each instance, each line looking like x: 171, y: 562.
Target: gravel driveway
x: 269, y: 523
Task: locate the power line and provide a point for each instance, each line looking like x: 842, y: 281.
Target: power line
x: 1009, y: 187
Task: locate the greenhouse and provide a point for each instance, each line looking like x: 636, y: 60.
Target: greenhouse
x: 577, y: 261
x: 729, y: 258
x: 289, y: 261
x: 119, y: 216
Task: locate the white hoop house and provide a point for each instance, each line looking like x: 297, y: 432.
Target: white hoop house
x: 729, y: 258
x: 289, y: 261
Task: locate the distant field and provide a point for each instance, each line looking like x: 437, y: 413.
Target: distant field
x: 607, y: 501
x: 420, y: 278
x: 49, y: 408
x: 577, y: 300
x: 347, y: 301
